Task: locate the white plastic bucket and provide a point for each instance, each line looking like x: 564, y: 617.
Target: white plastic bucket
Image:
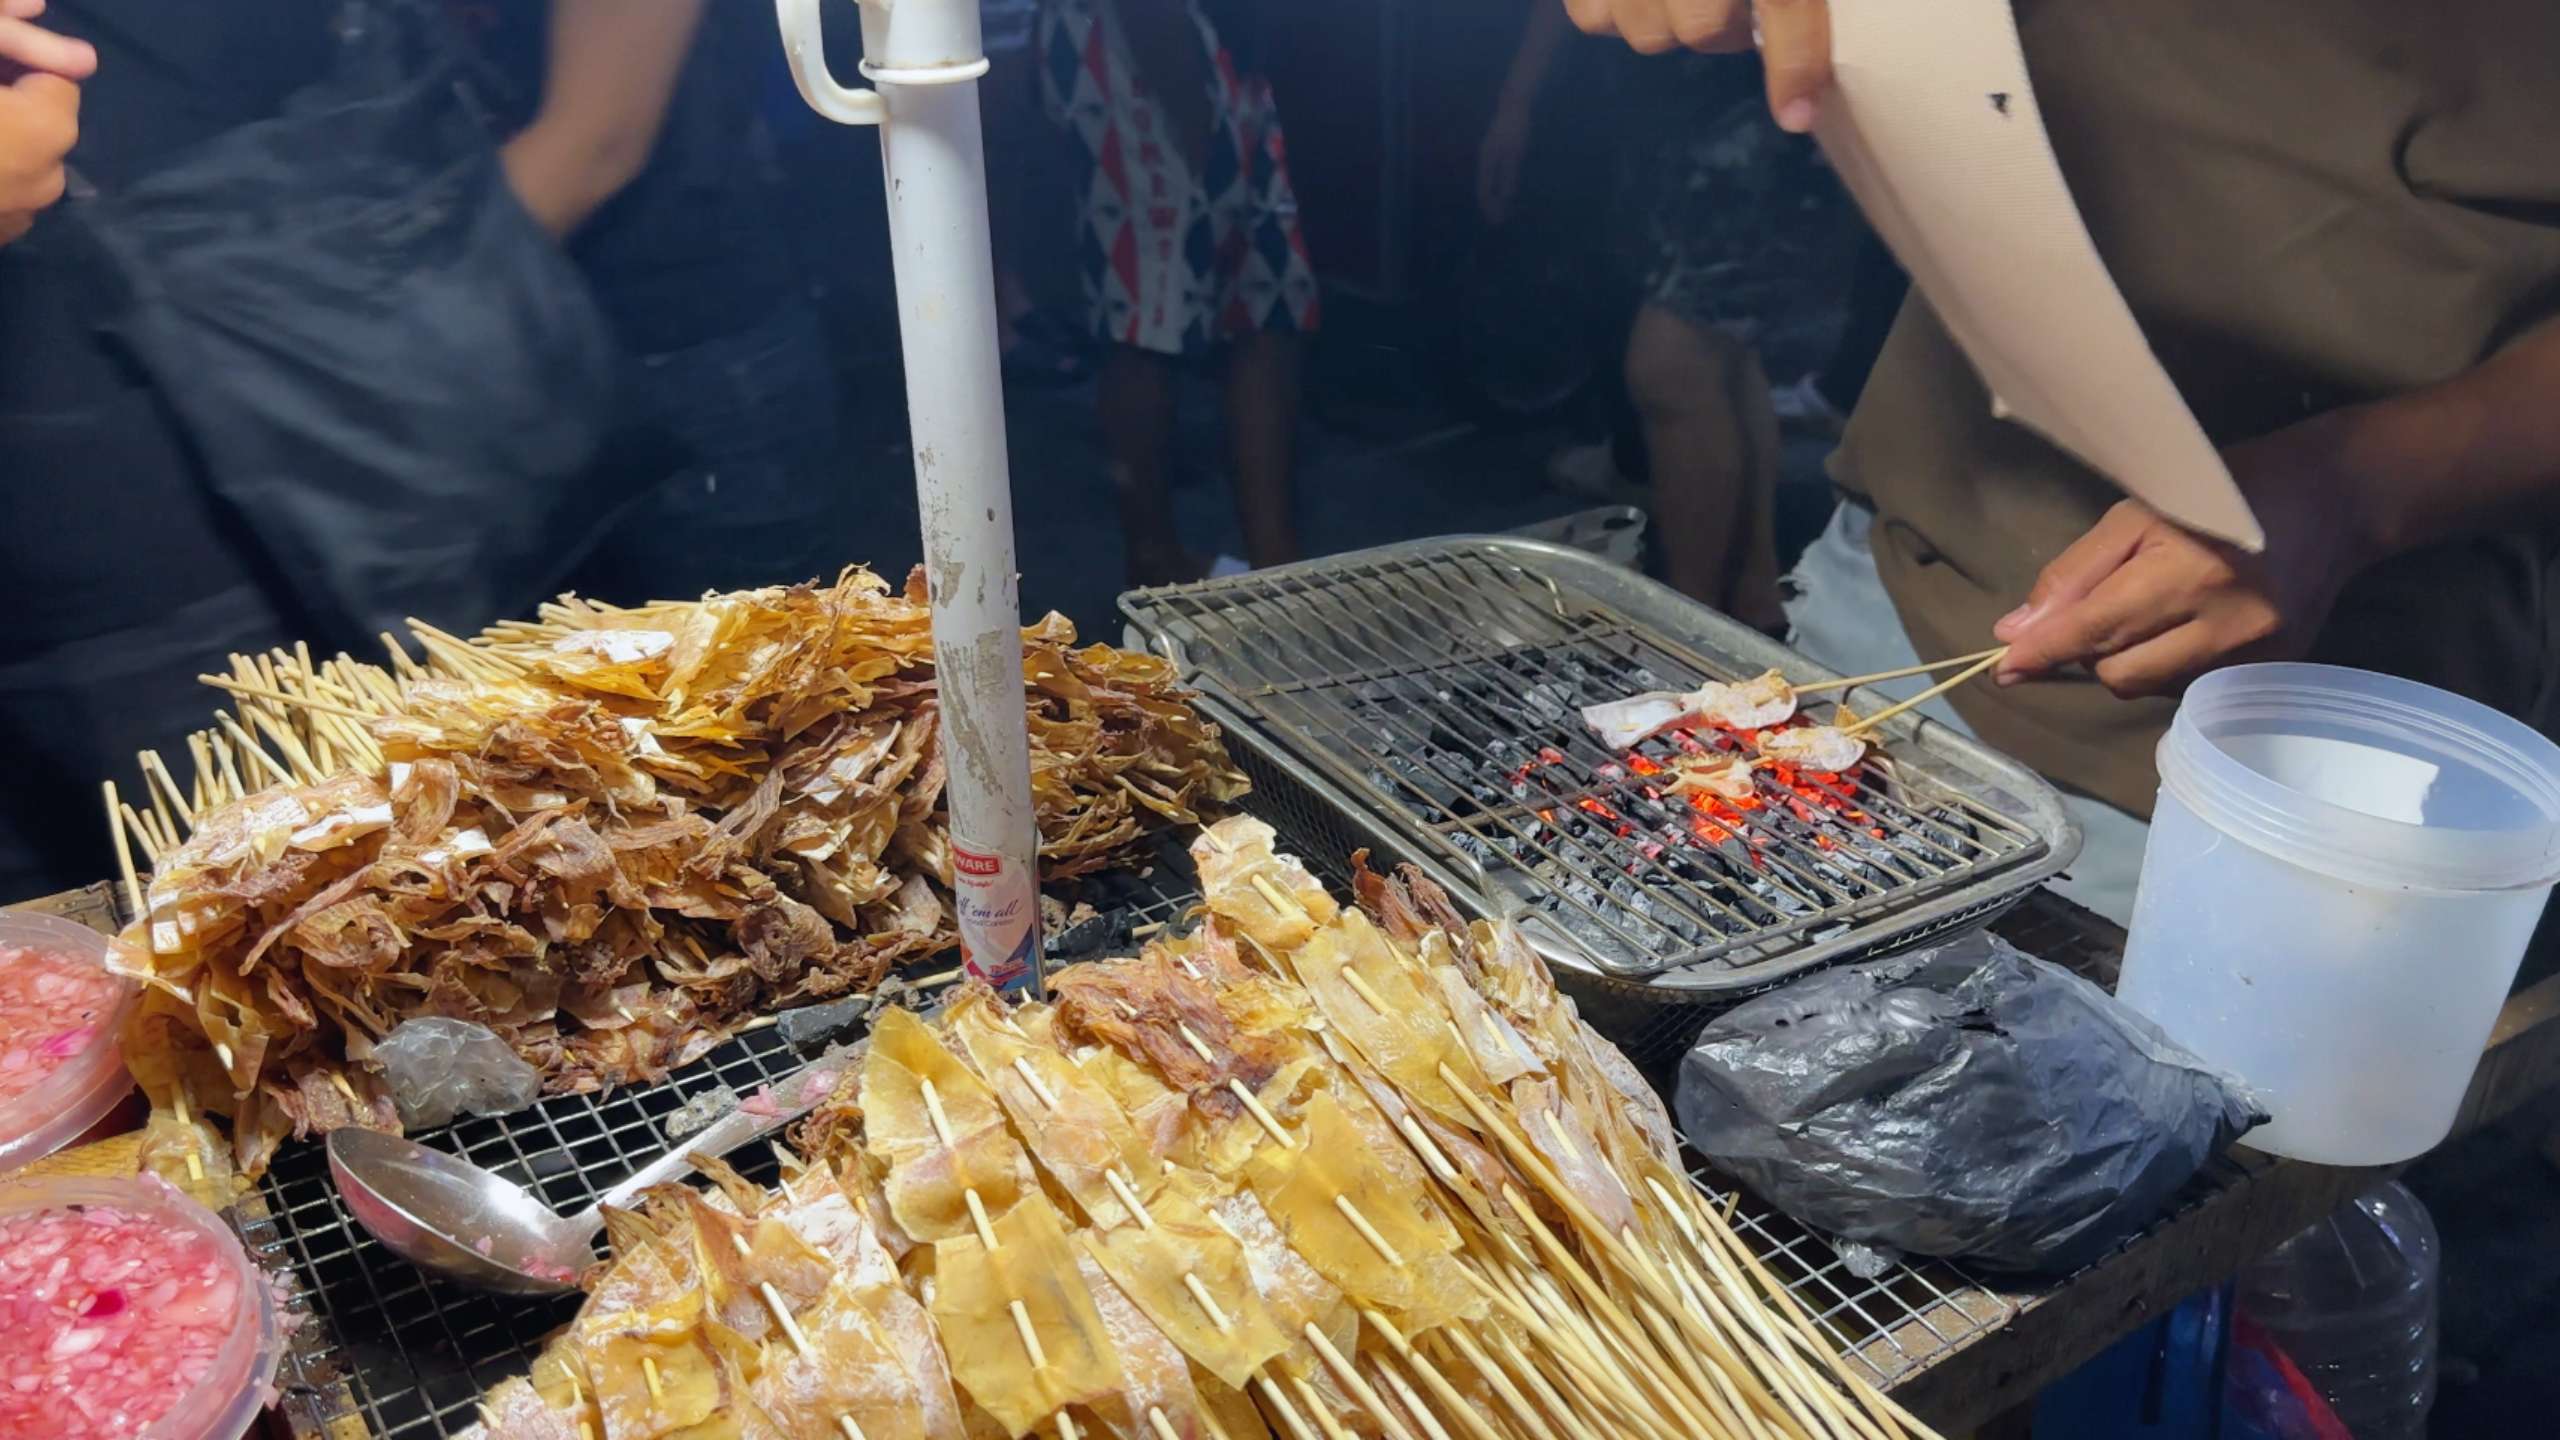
x: 2342, y: 874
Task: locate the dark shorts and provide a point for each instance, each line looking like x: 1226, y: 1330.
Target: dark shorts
x: 1736, y: 226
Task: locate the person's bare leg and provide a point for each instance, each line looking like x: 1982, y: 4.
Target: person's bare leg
x: 1714, y: 462
x: 1134, y: 393
x: 1754, y: 594
x: 1262, y: 424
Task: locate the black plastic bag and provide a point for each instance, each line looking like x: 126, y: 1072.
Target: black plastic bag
x: 1963, y: 1101
x: 388, y: 368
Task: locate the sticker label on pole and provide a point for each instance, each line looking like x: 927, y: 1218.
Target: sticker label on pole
x: 999, y: 913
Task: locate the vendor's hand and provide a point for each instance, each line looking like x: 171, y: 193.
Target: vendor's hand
x: 25, y: 46
x: 1794, y: 37
x: 2149, y: 605
x: 39, y: 121
x: 1506, y: 141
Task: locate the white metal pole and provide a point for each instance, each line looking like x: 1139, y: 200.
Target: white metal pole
x: 925, y: 57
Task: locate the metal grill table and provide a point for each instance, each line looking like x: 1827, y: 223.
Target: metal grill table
x: 380, y: 1352
x: 375, y: 1343
x: 1437, y: 687
x: 389, y: 1353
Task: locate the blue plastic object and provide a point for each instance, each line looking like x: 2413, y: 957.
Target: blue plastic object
x: 2162, y: 1382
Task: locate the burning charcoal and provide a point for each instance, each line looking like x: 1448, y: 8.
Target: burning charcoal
x: 1399, y: 778
x: 1547, y: 705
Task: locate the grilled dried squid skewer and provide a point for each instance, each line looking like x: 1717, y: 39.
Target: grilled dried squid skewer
x: 1752, y: 704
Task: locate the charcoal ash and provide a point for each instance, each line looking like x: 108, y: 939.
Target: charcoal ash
x: 1501, y: 749
x: 1444, y: 781
x: 1097, y: 916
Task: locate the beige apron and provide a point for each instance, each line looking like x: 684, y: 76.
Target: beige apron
x: 2307, y: 203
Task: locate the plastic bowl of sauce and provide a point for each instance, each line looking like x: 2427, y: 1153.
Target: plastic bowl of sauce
x: 60, y: 1012
x: 128, y: 1312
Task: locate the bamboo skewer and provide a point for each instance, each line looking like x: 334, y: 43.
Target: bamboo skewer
x: 142, y: 833
x: 1565, y: 1338
x: 1350, y: 1211
x: 250, y: 749
x: 1718, y: 1229
x: 186, y: 1122
x: 285, y: 697
x: 1123, y: 1190
x: 1907, y: 671
x: 1632, y: 1334
x: 221, y: 748
x: 1282, y: 1406
x: 1325, y: 1422
x: 164, y: 791
x: 1526, y: 1158
x: 124, y: 853
x: 1432, y: 1380
x: 773, y: 1301
x: 1749, y: 1316
x: 1671, y: 1390
x: 986, y: 1236
x: 1866, y: 723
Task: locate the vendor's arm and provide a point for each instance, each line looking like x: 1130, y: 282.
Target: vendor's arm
x: 1795, y: 40
x: 2150, y: 606
x: 612, y: 69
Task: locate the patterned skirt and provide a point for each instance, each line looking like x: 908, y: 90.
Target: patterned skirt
x: 1177, y: 257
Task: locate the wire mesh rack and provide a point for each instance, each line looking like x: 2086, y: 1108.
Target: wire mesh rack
x: 385, y: 1351
x: 1919, y: 1310
x: 1438, y: 687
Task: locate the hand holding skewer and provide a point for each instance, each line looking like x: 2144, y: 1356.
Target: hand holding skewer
x: 1929, y: 667
x: 1867, y: 724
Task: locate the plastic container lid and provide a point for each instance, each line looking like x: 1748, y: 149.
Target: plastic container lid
x: 226, y: 1401
x: 85, y: 1085
x: 2370, y: 779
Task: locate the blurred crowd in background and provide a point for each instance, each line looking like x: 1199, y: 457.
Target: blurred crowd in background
x: 1526, y: 249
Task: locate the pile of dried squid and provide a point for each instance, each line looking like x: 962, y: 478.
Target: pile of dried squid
x: 1309, y: 1171
x: 611, y: 835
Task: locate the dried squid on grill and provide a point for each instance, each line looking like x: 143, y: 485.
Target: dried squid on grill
x: 610, y: 835
x: 1275, y: 1236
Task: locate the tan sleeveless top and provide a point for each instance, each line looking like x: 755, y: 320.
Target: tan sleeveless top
x: 2308, y: 203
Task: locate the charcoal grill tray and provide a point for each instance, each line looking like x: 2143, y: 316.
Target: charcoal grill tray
x: 1304, y: 661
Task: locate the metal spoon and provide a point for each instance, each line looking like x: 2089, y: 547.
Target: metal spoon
x: 475, y: 1227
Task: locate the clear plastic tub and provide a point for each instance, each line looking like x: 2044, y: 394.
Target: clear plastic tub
x: 2342, y: 874
x: 226, y: 1399
x: 83, y: 1084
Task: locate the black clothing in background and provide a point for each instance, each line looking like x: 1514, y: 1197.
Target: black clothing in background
x: 126, y: 577
x: 691, y: 249
x: 172, y: 74
x: 1876, y: 288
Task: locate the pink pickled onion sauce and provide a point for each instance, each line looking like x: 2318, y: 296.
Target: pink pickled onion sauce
x: 52, y: 1007
x: 107, y: 1319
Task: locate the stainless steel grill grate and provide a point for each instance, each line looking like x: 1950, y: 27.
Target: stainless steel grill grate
x: 1438, y: 686
x: 388, y: 1352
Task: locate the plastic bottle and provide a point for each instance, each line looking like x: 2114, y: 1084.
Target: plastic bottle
x: 2353, y: 1301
